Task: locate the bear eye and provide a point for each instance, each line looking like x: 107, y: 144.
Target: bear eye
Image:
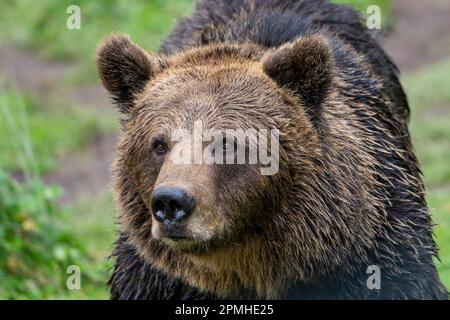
x: 159, y: 147
x: 228, y: 145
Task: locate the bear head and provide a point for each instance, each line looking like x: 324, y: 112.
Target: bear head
x: 182, y: 214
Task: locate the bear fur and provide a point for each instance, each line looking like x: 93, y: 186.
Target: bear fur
x: 348, y: 194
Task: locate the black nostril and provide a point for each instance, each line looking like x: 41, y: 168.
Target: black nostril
x: 171, y: 204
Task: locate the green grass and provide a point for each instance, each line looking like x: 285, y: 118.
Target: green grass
x: 92, y: 220
x: 39, y: 241
x: 80, y: 234
x: 35, y: 246
x: 439, y: 202
x: 430, y: 128
x: 42, y: 26
x: 362, y: 5
x: 49, y: 133
x: 38, y: 238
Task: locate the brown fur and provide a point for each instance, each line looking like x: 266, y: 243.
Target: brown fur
x: 248, y: 262
x: 326, y: 211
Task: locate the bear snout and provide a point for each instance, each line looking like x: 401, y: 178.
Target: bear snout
x: 171, y: 205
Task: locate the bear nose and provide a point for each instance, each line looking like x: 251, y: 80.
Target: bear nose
x: 171, y: 204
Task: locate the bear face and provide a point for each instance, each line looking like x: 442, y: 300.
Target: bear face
x: 228, y: 228
x: 345, y: 194
x: 221, y: 87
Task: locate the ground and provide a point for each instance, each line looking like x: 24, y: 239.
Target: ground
x: 59, y: 94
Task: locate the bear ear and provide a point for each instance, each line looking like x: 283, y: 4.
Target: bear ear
x: 125, y: 69
x: 305, y: 67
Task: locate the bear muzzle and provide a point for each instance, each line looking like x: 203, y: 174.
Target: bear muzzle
x: 170, y: 207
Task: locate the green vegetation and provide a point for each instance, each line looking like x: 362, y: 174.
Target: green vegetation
x: 39, y: 239
x: 430, y: 101
x: 46, y: 23
x: 43, y: 26
x: 36, y: 247
x: 362, y: 5
x: 430, y: 128
x: 34, y: 137
x: 92, y: 221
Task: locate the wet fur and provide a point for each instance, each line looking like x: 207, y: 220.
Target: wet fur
x: 349, y: 193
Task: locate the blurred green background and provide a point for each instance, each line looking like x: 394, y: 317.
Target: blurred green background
x: 58, y: 131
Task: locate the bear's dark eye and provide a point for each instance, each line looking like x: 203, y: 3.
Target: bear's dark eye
x: 228, y: 145
x: 159, y: 147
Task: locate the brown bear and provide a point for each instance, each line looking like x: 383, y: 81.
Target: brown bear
x: 346, y: 199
